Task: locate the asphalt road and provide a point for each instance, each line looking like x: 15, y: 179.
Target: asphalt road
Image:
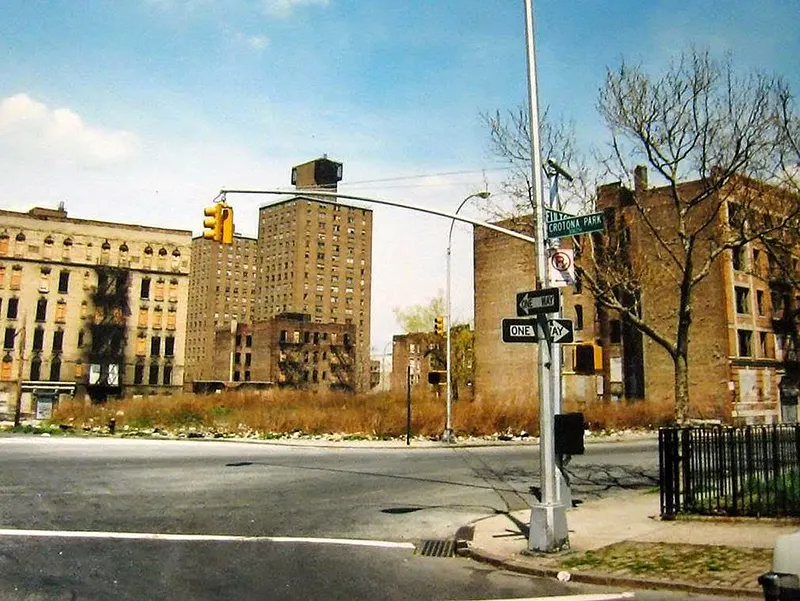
x: 51, y: 487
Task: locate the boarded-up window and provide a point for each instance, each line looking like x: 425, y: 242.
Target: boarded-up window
x: 5, y: 369
x: 157, y: 317
x: 61, y: 312
x: 16, y: 277
x: 159, y: 292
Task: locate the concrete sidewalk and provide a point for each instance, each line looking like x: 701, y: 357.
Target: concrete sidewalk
x: 621, y: 541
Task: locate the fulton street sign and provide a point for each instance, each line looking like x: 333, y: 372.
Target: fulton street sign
x: 536, y: 302
x: 572, y: 226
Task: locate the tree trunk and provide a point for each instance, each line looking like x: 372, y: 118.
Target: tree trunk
x: 681, y: 387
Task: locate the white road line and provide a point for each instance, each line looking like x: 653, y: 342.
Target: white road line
x: 589, y: 597
x: 352, y: 542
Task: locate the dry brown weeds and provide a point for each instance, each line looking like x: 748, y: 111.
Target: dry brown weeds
x: 377, y: 415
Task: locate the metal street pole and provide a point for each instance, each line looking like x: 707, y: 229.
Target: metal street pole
x: 548, y: 527
x: 22, y: 333
x: 448, y: 429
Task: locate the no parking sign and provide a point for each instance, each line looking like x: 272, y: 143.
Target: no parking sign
x: 561, y: 267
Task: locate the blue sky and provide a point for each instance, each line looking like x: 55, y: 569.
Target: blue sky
x: 141, y: 110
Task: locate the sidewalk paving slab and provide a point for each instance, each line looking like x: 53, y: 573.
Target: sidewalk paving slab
x: 620, y: 540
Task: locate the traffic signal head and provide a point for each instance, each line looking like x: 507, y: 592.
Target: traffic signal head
x: 438, y: 325
x: 213, y: 222
x: 226, y: 215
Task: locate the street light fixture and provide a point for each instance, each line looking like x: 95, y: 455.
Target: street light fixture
x: 448, y: 429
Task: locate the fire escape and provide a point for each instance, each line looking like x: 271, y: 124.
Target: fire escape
x: 342, y: 365
x: 107, y: 352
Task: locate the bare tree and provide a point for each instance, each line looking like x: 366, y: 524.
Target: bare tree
x: 715, y: 141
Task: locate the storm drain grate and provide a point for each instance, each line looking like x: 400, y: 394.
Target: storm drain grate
x: 437, y: 548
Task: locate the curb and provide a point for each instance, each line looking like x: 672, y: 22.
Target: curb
x: 522, y: 566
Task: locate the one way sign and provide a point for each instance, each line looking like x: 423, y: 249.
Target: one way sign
x: 561, y: 330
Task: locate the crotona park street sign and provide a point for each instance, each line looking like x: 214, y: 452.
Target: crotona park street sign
x: 572, y: 226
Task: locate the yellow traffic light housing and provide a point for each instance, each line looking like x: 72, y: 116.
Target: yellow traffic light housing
x: 218, y: 223
x: 213, y: 222
x: 438, y: 325
x: 227, y: 224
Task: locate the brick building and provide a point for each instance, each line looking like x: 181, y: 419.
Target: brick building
x: 222, y: 289
x: 736, y: 356
x: 315, y: 257
x: 504, y: 266
x: 287, y: 350
x: 312, y: 256
x: 91, y: 308
x: 423, y: 352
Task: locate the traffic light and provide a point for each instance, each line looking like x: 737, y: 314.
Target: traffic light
x: 213, y: 222
x: 227, y: 224
x: 438, y: 325
x: 218, y: 223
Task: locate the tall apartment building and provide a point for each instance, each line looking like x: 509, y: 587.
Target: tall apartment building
x: 737, y: 351
x: 91, y: 308
x: 315, y: 257
x: 222, y: 288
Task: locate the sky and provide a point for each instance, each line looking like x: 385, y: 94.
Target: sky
x: 140, y: 111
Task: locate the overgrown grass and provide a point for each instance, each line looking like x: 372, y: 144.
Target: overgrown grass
x: 376, y: 415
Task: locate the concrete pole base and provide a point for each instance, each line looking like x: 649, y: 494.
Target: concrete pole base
x: 548, y: 528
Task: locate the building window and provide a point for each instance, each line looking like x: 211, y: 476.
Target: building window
x: 745, y: 341
x: 55, y: 370
x: 61, y: 312
x: 8, y: 339
x: 739, y: 258
x: 11, y: 310
x: 41, y: 310
x: 763, y: 343
x: 578, y: 317
x: 38, y: 339
x: 615, y: 333
x: 36, y: 368
x: 58, y: 341
x: 153, y: 377
x: 169, y: 346
x: 157, y: 315
x: 742, y: 299
x: 16, y: 277
x: 63, y: 282
x: 138, y: 373
x: 155, y: 346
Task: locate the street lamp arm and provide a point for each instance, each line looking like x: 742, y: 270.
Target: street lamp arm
x: 389, y: 203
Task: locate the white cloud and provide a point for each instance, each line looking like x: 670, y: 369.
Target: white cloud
x: 254, y: 42
x: 283, y: 8
x: 30, y: 127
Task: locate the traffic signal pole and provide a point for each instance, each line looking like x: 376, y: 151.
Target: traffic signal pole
x: 548, y: 527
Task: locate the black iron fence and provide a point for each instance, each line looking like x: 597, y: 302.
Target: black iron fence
x: 736, y: 471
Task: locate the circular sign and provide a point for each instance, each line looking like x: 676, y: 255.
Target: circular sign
x: 561, y: 261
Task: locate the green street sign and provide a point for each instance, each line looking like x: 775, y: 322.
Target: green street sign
x: 553, y: 215
x: 572, y: 226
